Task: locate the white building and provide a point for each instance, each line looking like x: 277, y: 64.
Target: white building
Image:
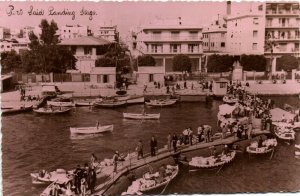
x: 245, y: 34
x: 4, y: 33
x: 16, y: 45
x: 74, y: 31
x: 87, y: 50
x: 107, y: 32
x: 282, y: 28
x: 165, y: 39
x: 214, y: 37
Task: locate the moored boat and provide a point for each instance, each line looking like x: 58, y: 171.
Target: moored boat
x: 91, y: 130
x: 152, y: 181
x: 85, y: 102
x: 267, y: 146
x: 230, y: 99
x: 61, y: 102
x: 18, y: 110
x: 161, y: 102
x: 62, y: 187
x: 52, y: 111
x: 212, y: 161
x: 110, y: 103
x: 44, y: 177
x: 143, y: 116
x: 284, y: 133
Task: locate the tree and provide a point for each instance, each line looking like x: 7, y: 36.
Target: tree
x: 253, y: 62
x: 182, y: 63
x: 220, y: 63
x: 146, y: 61
x: 10, y: 61
x: 287, y: 63
x: 45, y: 55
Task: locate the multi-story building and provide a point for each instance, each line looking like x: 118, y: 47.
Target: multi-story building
x: 4, y: 33
x: 16, y: 45
x: 246, y: 34
x: 87, y: 49
x: 214, y: 37
x: 74, y: 31
x: 282, y: 28
x: 107, y: 32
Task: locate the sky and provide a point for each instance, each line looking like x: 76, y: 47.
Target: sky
x: 125, y: 15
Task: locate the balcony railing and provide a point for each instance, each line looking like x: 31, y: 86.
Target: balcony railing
x: 293, y: 25
x: 287, y: 38
x: 283, y: 50
x: 170, y: 38
x: 282, y: 12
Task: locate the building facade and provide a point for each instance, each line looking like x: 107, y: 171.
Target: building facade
x: 282, y: 28
x: 107, y: 32
x: 4, y: 33
x: 164, y: 40
x: 73, y: 31
x: 245, y: 34
x: 214, y: 37
x: 87, y: 50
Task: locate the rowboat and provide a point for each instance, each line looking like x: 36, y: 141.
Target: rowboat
x: 52, y: 111
x: 84, y: 102
x: 230, y: 99
x: 143, y: 116
x: 212, y: 161
x: 18, y: 110
x: 91, y: 130
x: 267, y: 146
x: 61, y: 102
x: 161, y: 102
x: 110, y: 103
x: 44, y: 177
x: 152, y: 181
x: 132, y: 99
x: 59, y: 187
x: 284, y: 133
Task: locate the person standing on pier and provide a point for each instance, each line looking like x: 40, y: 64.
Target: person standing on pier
x: 115, y: 160
x: 174, y: 142
x: 153, y: 146
x: 139, y: 150
x: 200, y: 133
x: 190, y: 135
x: 92, y: 180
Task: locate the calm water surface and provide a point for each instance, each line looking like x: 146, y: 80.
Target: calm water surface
x: 31, y: 142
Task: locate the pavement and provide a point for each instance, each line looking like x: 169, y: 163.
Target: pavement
x: 79, y: 89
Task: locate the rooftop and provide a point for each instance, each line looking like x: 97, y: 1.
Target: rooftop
x: 85, y: 41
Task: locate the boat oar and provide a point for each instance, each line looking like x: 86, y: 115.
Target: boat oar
x: 165, y: 187
x: 272, y: 154
x: 220, y: 169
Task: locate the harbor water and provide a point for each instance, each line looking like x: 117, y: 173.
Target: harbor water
x: 31, y: 142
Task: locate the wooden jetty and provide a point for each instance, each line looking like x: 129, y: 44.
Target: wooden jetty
x: 126, y: 166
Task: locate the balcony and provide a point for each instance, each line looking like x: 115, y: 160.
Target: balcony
x: 283, y: 26
x: 178, y: 51
x: 286, y: 38
x: 171, y: 38
x: 283, y: 51
x: 282, y: 13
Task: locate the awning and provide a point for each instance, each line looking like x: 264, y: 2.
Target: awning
x: 226, y: 109
x: 277, y: 114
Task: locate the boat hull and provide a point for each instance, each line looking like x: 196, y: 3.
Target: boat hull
x: 136, y: 116
x: 111, y: 104
x: 61, y: 104
x: 91, y: 130
x: 157, y: 103
x: 43, y: 111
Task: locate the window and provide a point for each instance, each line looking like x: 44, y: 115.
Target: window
x: 193, y: 34
x: 151, y: 78
x: 175, y: 35
x: 296, y: 46
x: 98, y: 78
x: 175, y: 48
x: 255, y: 33
x: 105, y: 78
x: 134, y: 45
x: 254, y: 46
x: 222, y: 85
x: 193, y: 48
x: 156, y: 48
x: 87, y: 51
x: 269, y: 22
x: 282, y: 47
x: 222, y: 44
x: 156, y: 35
x: 255, y: 21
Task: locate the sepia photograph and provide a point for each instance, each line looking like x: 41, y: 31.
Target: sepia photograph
x: 149, y: 97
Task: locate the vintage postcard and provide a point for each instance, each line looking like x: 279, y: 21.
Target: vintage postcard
x: 149, y: 97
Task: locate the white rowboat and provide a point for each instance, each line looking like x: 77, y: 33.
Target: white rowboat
x: 144, y: 116
x: 61, y: 103
x: 229, y: 99
x: 210, y: 162
x: 91, y: 130
x: 161, y: 103
x: 51, y: 111
x: 267, y: 146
